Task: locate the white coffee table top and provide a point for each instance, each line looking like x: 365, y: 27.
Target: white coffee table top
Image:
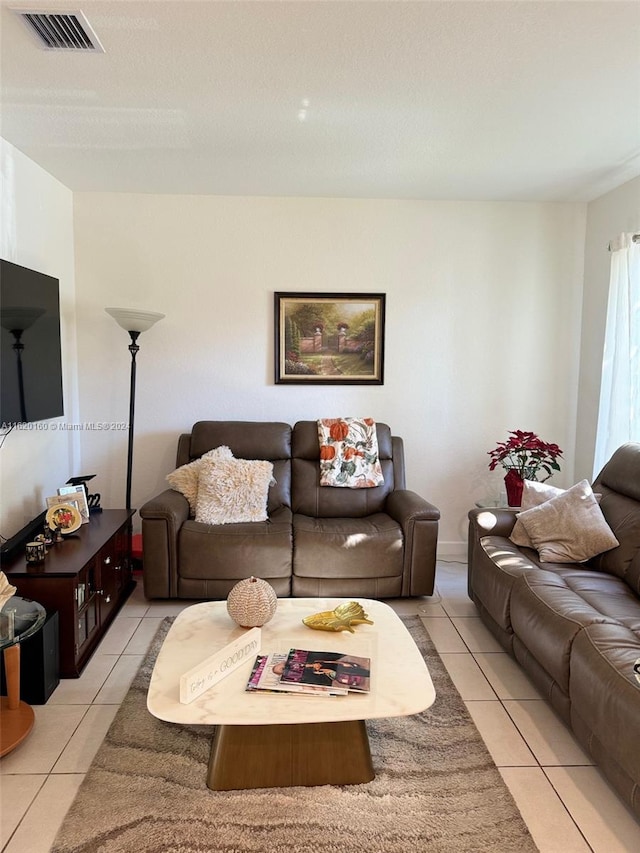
x: 400, y: 681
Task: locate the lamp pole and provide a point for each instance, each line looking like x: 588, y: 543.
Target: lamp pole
x: 133, y: 349
x: 134, y: 322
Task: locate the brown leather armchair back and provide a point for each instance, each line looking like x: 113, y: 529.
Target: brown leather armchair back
x: 312, y: 499
x: 246, y: 440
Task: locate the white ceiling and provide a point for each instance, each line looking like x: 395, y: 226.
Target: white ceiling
x: 437, y: 100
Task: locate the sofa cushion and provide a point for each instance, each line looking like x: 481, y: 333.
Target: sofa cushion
x: 569, y: 527
x: 231, y: 491
x: 347, y: 547
x: 499, y: 564
x: 623, y: 517
x: 308, y: 497
x: 185, y: 478
x: 247, y: 439
x: 547, y: 616
x: 230, y: 552
x: 607, y: 594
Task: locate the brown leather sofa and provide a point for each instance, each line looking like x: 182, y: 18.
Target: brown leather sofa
x: 318, y: 541
x: 574, y: 627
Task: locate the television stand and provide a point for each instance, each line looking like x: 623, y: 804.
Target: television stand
x: 86, y: 578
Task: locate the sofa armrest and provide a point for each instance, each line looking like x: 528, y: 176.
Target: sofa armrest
x: 489, y: 521
x: 162, y: 518
x: 419, y: 521
x: 404, y: 506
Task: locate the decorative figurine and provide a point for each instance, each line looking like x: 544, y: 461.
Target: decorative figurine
x: 340, y: 619
x: 252, y: 602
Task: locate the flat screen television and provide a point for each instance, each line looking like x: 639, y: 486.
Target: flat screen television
x: 30, y: 352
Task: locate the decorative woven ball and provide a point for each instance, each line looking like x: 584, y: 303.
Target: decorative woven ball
x: 252, y: 602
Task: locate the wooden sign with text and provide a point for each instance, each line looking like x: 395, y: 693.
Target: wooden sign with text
x: 212, y: 670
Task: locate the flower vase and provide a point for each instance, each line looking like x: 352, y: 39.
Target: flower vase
x: 514, y: 485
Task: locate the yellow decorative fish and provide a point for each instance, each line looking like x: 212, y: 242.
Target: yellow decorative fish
x: 340, y: 619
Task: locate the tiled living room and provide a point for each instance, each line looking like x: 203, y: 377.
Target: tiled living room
x: 471, y: 172
x: 566, y: 803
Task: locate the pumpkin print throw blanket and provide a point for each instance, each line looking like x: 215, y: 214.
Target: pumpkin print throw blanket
x: 349, y: 453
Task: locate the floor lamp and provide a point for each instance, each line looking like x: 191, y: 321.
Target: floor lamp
x: 135, y: 322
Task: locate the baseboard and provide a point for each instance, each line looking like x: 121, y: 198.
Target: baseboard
x: 454, y: 551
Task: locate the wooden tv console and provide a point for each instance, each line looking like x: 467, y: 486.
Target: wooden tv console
x: 86, y: 578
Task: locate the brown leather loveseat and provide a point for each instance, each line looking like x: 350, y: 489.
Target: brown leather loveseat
x: 574, y: 627
x: 317, y: 540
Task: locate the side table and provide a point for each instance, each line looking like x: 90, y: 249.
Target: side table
x: 19, y: 619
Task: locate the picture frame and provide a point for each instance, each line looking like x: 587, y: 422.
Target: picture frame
x: 56, y: 500
x: 77, y: 493
x: 329, y: 338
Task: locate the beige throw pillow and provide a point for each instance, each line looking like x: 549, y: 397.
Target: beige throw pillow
x: 533, y: 494
x: 233, y: 490
x: 185, y: 478
x: 570, y: 527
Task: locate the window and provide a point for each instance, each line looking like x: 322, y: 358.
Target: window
x: 619, y: 412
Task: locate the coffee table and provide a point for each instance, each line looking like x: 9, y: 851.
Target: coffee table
x: 279, y: 740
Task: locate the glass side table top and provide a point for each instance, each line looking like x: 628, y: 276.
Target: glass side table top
x: 19, y: 619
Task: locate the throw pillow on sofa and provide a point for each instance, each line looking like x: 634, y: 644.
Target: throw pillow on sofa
x: 533, y: 494
x: 569, y: 528
x: 231, y: 491
x: 185, y: 478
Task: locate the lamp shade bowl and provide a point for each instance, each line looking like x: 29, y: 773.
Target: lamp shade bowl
x: 133, y: 319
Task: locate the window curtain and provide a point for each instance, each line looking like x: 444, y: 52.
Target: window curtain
x: 619, y: 412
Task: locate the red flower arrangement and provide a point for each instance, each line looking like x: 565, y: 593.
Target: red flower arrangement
x: 526, y: 454
x: 523, y: 456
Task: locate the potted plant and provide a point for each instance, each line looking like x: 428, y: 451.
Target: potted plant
x: 524, y: 457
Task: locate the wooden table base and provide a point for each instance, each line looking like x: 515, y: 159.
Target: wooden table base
x: 285, y: 755
x: 16, y: 717
x: 15, y: 724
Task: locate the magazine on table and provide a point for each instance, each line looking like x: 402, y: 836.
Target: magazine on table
x: 266, y: 678
x: 329, y: 670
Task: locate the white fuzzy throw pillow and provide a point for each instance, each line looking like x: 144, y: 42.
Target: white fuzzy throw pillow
x: 234, y: 490
x: 185, y: 478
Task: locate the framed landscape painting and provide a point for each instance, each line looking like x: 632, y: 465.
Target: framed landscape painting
x: 329, y: 338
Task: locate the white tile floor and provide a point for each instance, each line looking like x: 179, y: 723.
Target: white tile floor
x: 565, y: 801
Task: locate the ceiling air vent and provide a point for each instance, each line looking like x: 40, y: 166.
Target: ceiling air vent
x: 68, y: 31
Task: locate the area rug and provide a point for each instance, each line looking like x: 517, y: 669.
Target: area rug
x: 436, y: 789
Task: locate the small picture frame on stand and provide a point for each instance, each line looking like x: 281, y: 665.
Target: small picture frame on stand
x: 77, y: 494
x: 60, y: 500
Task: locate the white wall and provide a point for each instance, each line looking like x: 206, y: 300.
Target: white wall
x: 37, y: 231
x: 608, y: 216
x: 483, y: 326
